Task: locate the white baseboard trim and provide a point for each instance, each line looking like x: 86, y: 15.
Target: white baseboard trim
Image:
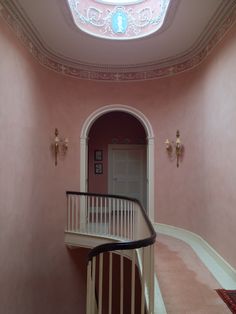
x: 224, y: 273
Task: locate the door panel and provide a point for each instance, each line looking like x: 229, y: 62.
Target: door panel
x: 127, y: 171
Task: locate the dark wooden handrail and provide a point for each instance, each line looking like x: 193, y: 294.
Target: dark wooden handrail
x: 128, y: 245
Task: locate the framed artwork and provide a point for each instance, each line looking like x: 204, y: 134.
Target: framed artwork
x: 98, y: 155
x: 98, y: 168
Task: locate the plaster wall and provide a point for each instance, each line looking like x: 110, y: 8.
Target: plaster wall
x: 200, y: 195
x: 38, y: 275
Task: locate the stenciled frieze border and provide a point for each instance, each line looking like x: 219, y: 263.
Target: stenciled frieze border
x: 149, y: 71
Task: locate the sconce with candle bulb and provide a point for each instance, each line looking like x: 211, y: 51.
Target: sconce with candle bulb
x: 175, y: 149
x: 169, y: 148
x: 59, y: 145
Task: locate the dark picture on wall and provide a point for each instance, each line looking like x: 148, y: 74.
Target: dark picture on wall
x: 98, y: 155
x: 98, y: 168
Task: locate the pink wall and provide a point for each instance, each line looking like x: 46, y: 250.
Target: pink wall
x: 111, y: 128
x: 38, y: 275
x: 200, y: 195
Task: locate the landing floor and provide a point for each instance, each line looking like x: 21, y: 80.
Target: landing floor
x: 186, y: 285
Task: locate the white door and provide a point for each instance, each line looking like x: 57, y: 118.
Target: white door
x: 127, y: 171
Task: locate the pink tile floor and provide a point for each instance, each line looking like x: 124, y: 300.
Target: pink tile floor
x: 186, y: 284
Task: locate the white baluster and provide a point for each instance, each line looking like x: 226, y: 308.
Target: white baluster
x: 99, y: 216
x: 122, y: 220
x: 68, y: 212
x: 105, y: 212
x: 72, y: 214
x: 132, y: 221
x: 109, y: 216
x: 128, y: 220
x: 100, y: 283
x: 76, y: 214
x: 113, y: 216
x: 82, y: 213
x: 96, y: 206
x: 110, y: 282
x: 93, y: 285
x: 147, y: 275
x: 88, y: 303
x: 143, y: 282
x: 133, y: 283
x: 152, y: 259
x: 92, y: 211
x: 125, y: 219
x: 118, y: 217
x: 121, y: 283
x: 87, y: 214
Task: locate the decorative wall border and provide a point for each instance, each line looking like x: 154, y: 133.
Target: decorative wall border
x: 212, y: 35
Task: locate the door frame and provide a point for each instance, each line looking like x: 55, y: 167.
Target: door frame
x: 141, y: 147
x: 150, y: 150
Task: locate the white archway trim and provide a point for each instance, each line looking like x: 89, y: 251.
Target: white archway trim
x: 150, y: 149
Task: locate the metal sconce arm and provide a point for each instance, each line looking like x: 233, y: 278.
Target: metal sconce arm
x: 60, y: 145
x: 176, y: 146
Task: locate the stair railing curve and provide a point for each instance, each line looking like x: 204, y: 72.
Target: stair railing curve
x: 124, y: 220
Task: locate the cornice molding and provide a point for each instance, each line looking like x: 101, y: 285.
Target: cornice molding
x: 219, y: 25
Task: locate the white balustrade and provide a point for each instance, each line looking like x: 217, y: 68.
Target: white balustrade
x: 103, y: 216
x: 122, y: 220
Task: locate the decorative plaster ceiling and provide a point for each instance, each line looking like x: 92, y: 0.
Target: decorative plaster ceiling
x: 190, y: 31
x: 119, y: 20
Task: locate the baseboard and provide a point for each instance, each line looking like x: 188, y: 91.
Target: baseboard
x: 224, y: 273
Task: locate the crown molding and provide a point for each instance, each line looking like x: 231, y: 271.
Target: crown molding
x: 220, y: 24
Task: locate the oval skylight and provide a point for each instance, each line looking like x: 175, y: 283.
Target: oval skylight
x: 120, y: 2
x: 119, y: 19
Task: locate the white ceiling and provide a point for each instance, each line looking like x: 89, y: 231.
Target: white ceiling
x: 190, y: 27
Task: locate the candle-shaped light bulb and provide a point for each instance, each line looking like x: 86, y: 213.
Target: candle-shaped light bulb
x: 168, y: 146
x: 178, y: 141
x: 57, y: 139
x: 66, y: 141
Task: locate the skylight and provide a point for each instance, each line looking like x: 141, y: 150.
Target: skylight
x: 119, y: 19
x: 119, y: 2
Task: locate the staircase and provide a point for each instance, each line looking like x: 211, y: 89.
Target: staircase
x: 120, y: 270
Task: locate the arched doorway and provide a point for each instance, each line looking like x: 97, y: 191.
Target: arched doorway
x: 117, y: 156
x: 84, y: 149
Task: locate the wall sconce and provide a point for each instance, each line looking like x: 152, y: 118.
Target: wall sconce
x: 168, y: 147
x: 175, y: 149
x: 60, y: 145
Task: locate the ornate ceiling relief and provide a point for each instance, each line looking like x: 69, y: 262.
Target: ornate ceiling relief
x: 172, y: 66
x: 119, y: 19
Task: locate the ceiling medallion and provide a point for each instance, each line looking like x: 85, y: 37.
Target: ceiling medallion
x: 124, y: 19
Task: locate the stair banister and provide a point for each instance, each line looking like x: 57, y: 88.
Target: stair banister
x: 122, y: 225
